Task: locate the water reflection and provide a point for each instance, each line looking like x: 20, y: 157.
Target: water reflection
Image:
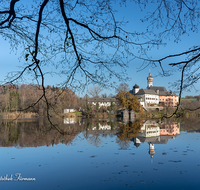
x: 34, y: 133
x: 39, y: 133
x: 70, y: 162
x: 150, y: 132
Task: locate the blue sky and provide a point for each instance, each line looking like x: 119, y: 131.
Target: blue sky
x: 10, y: 58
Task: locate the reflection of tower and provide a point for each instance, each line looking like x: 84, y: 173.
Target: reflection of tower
x: 151, y: 149
x: 137, y: 142
x: 149, y: 81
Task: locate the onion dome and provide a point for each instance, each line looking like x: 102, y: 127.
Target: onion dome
x: 151, y: 152
x: 150, y: 78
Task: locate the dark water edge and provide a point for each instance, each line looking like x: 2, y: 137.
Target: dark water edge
x: 99, y: 155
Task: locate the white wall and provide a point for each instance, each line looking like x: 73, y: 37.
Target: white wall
x: 106, y: 104
x: 69, y: 110
x: 151, y: 99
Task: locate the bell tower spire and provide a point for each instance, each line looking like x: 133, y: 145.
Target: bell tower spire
x: 149, y: 80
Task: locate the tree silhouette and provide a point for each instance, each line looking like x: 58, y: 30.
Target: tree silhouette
x: 122, y: 87
x: 82, y: 37
x: 175, y: 19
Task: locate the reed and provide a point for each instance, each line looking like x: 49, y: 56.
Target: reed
x: 19, y: 115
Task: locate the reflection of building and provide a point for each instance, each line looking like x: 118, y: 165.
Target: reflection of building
x: 170, y: 129
x: 151, y: 149
x: 136, y: 141
x: 149, y: 129
x: 155, y: 133
x: 102, y: 127
x: 69, y: 120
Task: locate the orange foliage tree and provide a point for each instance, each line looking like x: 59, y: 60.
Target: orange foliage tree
x: 129, y: 101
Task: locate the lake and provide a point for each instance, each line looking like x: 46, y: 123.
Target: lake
x: 93, y: 154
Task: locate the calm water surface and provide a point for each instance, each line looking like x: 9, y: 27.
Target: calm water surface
x: 99, y: 155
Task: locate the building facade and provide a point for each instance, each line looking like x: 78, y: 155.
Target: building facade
x: 166, y: 98
x: 157, y: 95
x: 105, y: 102
x: 146, y: 97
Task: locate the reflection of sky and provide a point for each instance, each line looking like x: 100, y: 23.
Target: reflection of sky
x: 83, y: 166
x: 133, y: 14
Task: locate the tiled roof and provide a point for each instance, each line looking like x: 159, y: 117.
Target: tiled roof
x: 167, y: 93
x: 162, y: 91
x: 160, y: 88
x: 146, y: 91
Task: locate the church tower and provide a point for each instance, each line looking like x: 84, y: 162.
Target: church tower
x: 136, y: 89
x: 149, y: 81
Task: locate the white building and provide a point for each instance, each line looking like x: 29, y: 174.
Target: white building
x: 69, y: 110
x: 102, y: 101
x: 146, y: 96
x: 154, y: 95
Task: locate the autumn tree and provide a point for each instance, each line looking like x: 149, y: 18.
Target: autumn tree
x: 90, y: 43
x: 129, y: 101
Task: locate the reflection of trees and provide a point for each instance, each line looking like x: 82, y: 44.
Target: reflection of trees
x: 97, y: 129
x: 33, y: 134
x: 94, y: 140
x: 123, y: 144
x: 191, y: 124
x: 130, y: 130
x: 127, y: 132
